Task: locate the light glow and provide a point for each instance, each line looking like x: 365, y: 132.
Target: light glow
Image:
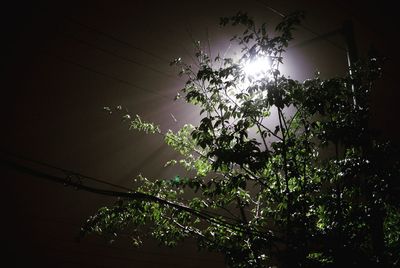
x: 257, y: 67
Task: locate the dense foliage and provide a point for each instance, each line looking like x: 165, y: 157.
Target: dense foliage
x: 318, y: 189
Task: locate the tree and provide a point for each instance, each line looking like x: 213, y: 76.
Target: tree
x: 316, y: 190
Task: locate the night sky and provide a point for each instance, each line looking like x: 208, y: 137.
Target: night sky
x: 65, y: 60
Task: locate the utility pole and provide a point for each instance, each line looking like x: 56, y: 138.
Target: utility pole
x: 348, y: 33
x: 351, y: 50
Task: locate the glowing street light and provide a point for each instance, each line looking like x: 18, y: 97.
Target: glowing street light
x: 257, y: 67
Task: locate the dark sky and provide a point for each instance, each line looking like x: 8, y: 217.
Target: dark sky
x: 65, y: 60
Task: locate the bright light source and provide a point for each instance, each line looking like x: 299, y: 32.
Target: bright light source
x: 257, y: 66
x: 256, y: 69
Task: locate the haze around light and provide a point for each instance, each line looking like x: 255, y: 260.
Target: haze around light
x: 257, y: 67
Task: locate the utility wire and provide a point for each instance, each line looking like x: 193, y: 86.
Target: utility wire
x: 112, y: 37
x: 78, y: 183
x: 116, y: 55
x: 109, y: 76
x: 208, y: 216
x: 128, y: 195
x: 128, y: 44
x: 65, y: 171
x: 318, y: 35
x: 271, y: 9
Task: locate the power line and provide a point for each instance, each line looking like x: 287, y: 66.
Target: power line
x: 122, y: 81
x: 63, y: 170
x: 79, y: 185
x: 318, y: 35
x: 271, y: 9
x: 128, y: 44
x: 119, y: 56
x: 112, y: 37
x: 209, y: 216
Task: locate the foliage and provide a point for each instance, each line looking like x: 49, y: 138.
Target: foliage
x: 316, y: 190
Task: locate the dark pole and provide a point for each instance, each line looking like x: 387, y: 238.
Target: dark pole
x: 351, y: 50
x: 376, y: 224
x: 348, y: 33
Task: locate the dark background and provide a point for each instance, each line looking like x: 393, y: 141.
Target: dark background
x: 64, y: 60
